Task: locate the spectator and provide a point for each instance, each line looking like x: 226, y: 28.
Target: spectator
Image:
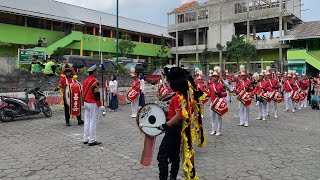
x: 263, y: 37
x: 113, y: 93
x: 258, y: 38
x: 44, y: 42
x: 35, y: 64
x: 40, y: 42
x: 50, y: 68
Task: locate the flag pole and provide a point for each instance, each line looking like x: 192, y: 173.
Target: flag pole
x: 101, y: 61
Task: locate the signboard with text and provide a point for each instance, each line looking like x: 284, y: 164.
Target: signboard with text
x: 25, y: 55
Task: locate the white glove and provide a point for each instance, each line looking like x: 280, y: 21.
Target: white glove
x: 102, y: 109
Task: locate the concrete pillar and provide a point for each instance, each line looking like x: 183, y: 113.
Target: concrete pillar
x: 177, y: 44
x: 26, y: 21
x: 71, y: 51
x: 254, y: 31
x: 151, y: 40
x: 111, y: 33
x: 197, y: 44
x: 94, y: 31
x: 285, y: 26
x: 138, y: 57
x: 140, y: 38
x: 91, y: 54
x: 81, y: 48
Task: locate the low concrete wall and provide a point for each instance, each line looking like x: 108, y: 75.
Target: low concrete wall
x: 7, y: 65
x: 13, y: 85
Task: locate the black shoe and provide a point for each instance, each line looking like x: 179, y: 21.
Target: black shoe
x: 94, y: 143
x: 85, y: 142
x: 68, y: 124
x: 80, y: 122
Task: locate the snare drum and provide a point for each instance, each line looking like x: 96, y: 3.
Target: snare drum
x: 151, y: 116
x: 245, y: 98
x: 132, y: 94
x: 220, y: 106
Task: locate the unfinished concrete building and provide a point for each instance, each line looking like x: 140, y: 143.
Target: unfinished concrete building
x: 195, y: 25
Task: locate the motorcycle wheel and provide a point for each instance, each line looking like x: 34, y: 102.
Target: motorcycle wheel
x: 46, y: 110
x: 4, y: 117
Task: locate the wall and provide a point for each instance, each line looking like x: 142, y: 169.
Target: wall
x: 26, y: 35
x: 91, y: 43
x: 7, y: 65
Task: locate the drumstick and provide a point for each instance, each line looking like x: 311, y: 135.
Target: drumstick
x: 141, y: 126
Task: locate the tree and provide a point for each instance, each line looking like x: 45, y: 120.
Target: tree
x: 220, y: 48
x: 5, y: 44
x: 238, y: 48
x: 205, y: 58
x: 126, y: 46
x: 163, y: 52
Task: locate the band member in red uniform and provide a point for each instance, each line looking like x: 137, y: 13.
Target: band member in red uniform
x: 227, y: 83
x: 305, y: 85
x: 244, y: 85
x: 272, y: 85
x: 261, y: 87
x: 216, y: 90
x: 67, y: 78
x: 288, y: 88
x: 296, y: 87
x: 92, y: 105
x: 169, y: 149
x: 135, y: 85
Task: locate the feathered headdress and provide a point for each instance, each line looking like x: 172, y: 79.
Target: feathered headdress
x: 217, y: 71
x: 133, y: 72
x: 256, y: 76
x: 242, y: 68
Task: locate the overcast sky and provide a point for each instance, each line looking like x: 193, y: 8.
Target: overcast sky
x: 155, y: 11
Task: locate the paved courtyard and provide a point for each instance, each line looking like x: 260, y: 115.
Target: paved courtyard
x: 41, y: 148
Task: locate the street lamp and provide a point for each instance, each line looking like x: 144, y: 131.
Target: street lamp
x: 117, y: 33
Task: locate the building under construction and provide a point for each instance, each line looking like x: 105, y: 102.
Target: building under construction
x: 197, y: 25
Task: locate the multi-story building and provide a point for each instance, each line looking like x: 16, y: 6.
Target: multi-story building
x: 197, y: 25
x: 73, y: 28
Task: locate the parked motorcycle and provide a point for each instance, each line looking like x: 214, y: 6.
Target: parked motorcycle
x: 13, y: 107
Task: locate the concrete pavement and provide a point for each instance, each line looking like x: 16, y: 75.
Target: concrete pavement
x: 44, y: 148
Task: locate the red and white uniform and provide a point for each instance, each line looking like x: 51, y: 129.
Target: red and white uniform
x: 216, y: 90
x: 92, y: 102
x: 243, y: 110
x: 134, y: 104
x: 288, y: 86
x: 305, y: 84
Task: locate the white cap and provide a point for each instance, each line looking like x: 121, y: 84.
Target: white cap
x: 92, y: 68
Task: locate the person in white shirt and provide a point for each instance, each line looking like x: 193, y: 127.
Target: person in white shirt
x: 142, y: 87
x: 113, y: 93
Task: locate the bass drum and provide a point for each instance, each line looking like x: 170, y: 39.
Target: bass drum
x: 71, y: 89
x: 150, y: 116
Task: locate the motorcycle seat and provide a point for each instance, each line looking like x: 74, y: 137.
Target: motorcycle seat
x: 22, y: 99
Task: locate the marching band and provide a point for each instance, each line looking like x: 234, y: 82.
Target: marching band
x: 182, y: 98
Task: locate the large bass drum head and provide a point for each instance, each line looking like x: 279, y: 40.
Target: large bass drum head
x: 149, y: 117
x: 67, y: 94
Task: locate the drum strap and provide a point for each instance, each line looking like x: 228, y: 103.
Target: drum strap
x: 86, y: 91
x: 289, y: 85
x: 214, y: 87
x: 297, y: 84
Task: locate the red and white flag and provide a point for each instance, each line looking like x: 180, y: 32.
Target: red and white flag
x: 100, y: 26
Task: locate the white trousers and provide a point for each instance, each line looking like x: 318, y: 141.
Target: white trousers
x: 244, y: 114
x: 91, y: 115
x: 134, y: 107
x: 288, y: 100
x: 216, y: 120
x: 228, y: 98
x: 274, y: 106
x: 304, y: 103
x: 262, y: 109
